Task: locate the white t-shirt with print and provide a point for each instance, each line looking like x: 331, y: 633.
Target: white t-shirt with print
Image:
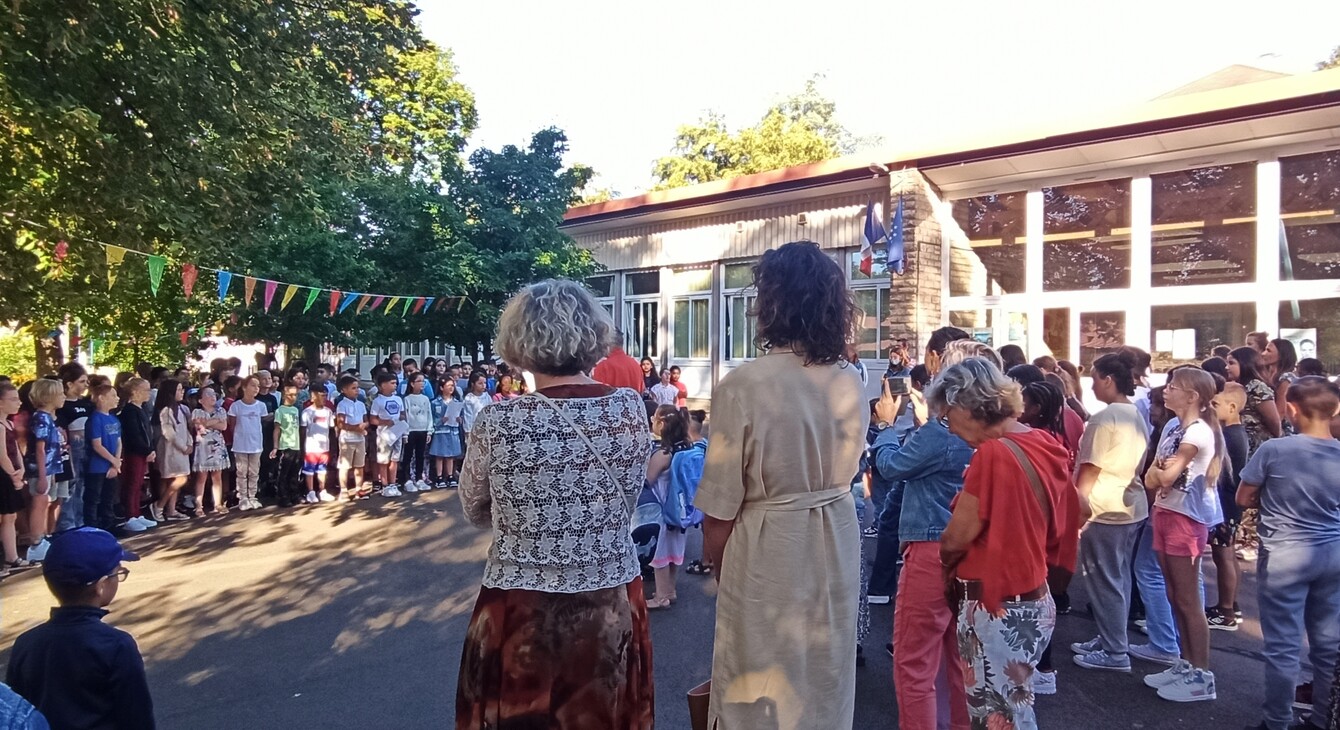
x: 388, y: 408
x: 248, y: 435
x: 318, y: 422
x: 354, y: 413
x: 1194, y: 495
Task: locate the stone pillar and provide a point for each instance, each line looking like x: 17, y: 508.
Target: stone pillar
x: 916, y: 295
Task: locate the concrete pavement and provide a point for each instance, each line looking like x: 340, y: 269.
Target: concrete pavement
x: 352, y: 616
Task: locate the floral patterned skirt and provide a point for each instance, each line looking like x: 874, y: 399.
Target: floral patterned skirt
x: 557, y: 661
x: 1000, y: 655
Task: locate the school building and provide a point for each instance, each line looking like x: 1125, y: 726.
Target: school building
x: 1175, y: 226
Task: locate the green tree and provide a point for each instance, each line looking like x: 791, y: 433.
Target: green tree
x: 801, y: 128
x: 1332, y: 62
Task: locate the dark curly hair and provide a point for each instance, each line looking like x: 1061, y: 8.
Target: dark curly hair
x: 803, y: 303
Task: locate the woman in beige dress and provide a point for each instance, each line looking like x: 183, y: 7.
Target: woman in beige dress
x: 787, y: 436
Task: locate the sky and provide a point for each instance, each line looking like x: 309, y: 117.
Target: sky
x: 620, y: 77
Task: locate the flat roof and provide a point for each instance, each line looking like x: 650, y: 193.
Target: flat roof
x: 1310, y: 92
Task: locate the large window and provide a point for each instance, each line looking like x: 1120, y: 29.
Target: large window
x: 1204, y: 226
x: 1310, y: 212
x: 875, y: 336
x: 1187, y: 335
x: 1099, y: 334
x: 1314, y: 328
x: 879, y: 264
x: 603, y: 288
x: 642, y: 313
x: 692, y: 312
x: 739, y: 295
x: 1087, y: 236
x: 992, y: 261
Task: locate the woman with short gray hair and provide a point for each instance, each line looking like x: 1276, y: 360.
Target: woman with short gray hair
x: 559, y: 637
x: 1016, y: 516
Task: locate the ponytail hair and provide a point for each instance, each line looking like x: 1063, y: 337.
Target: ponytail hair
x: 1202, y: 383
x: 674, y: 430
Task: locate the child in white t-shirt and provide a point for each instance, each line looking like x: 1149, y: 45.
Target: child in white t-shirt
x: 419, y: 416
x: 351, y: 417
x: 317, y: 421
x: 388, y: 411
x: 244, y: 418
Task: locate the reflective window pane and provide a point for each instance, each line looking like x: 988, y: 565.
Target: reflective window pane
x: 1099, y: 334
x: 601, y: 286
x: 1056, y: 333
x: 992, y: 261
x: 1187, y: 335
x: 879, y: 264
x: 643, y: 282
x: 1310, y: 210
x: 702, y: 328
x: 1087, y: 236
x: 739, y: 276
x: 640, y: 328
x: 1314, y: 328
x: 693, y: 280
x: 741, y: 330
x: 1204, y: 226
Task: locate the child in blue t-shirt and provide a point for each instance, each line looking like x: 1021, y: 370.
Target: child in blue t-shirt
x: 104, y: 461
x: 43, y: 465
x: 1292, y: 481
x: 445, y: 447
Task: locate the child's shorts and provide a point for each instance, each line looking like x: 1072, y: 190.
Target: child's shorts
x: 353, y: 455
x: 1177, y: 535
x: 56, y: 490
x: 389, y: 447
x: 315, y: 463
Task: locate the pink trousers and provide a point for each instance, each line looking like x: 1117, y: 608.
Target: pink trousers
x: 927, y: 671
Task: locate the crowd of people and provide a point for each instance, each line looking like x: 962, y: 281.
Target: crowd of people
x: 986, y: 483
x: 125, y: 454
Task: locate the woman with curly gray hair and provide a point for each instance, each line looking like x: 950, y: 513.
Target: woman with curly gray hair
x: 559, y: 637
x: 1017, y: 515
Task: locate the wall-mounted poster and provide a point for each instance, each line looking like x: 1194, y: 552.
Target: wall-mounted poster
x: 1099, y: 334
x: 983, y: 335
x: 1304, y: 341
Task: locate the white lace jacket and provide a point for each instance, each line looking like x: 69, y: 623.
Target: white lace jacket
x: 560, y: 520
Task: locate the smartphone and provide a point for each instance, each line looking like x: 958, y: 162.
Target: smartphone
x: 900, y: 384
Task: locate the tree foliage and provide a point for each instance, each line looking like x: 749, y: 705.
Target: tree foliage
x: 799, y: 129
x: 1332, y: 62
x: 319, y: 143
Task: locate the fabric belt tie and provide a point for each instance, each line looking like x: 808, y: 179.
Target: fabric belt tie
x: 798, y: 502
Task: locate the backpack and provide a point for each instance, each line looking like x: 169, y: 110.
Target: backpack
x: 686, y: 470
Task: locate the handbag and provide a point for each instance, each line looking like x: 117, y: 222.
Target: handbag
x: 699, y: 698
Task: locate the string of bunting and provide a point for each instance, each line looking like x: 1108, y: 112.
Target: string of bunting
x: 340, y: 300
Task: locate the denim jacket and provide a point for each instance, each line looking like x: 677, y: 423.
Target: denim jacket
x: 927, y: 471
x: 17, y: 714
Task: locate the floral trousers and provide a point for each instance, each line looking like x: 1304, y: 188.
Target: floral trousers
x: 1000, y: 654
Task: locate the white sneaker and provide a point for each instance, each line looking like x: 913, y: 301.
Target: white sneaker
x: 133, y: 526
x: 325, y: 497
x: 146, y: 521
x: 1087, y: 647
x: 37, y: 553
x: 1044, y: 683
x: 410, y: 487
x: 141, y: 523
x: 390, y: 490
x: 1168, y: 676
x: 256, y: 504
x: 310, y: 498
x: 1102, y: 660
x: 425, y: 486
x: 1196, y: 685
x: 1151, y: 654
x: 243, y: 505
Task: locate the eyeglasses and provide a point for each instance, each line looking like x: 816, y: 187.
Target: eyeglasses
x: 121, y: 574
x: 1170, y: 386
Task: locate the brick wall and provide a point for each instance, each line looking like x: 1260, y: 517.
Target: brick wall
x: 916, y: 294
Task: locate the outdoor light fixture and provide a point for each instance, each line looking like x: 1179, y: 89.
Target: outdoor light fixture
x: 879, y: 168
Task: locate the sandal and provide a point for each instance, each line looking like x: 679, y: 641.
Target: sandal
x: 220, y: 511
x: 658, y: 603
x: 16, y: 564
x: 199, y: 511
x: 698, y: 568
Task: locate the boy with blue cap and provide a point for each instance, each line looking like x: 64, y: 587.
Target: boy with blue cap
x: 78, y: 671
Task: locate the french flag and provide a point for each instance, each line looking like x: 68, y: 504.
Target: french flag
x: 874, y: 233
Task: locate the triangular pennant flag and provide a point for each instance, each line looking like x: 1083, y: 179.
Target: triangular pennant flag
x: 428, y: 304
x: 377, y: 302
x: 348, y: 299
x: 188, y: 277
x: 362, y: 302
x: 391, y: 304
x: 312, y: 294
x: 184, y: 335
x: 419, y: 304
x: 156, y: 265
x: 288, y: 296
x: 443, y: 302
x: 115, y: 255
x: 334, y: 300
x: 460, y: 305
x: 225, y: 278
x: 249, y: 286
x: 408, y: 301
x: 201, y: 332
x: 270, y: 287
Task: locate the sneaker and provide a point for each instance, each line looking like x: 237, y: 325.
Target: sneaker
x: 1237, y: 610
x: 870, y: 532
x: 453, y: 483
x: 325, y: 497
x: 142, y: 522
x: 1196, y: 685
x: 1087, y: 647
x: 1168, y: 676
x: 877, y: 600
x: 37, y: 553
x: 177, y: 517
x: 425, y: 485
x: 1102, y: 660
x: 390, y: 490
x: 310, y: 498
x: 410, y: 487
x: 1142, y: 625
x: 243, y: 505
x: 1220, y: 621
x: 133, y: 526
x: 1302, y: 697
x: 155, y: 513
x: 1044, y: 683
x: 189, y: 501
x: 256, y: 504
x: 1149, y: 653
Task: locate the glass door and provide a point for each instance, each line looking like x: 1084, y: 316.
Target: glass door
x: 641, y: 327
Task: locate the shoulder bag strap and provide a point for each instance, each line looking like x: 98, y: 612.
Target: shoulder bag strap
x: 1034, y: 481
x: 564, y: 415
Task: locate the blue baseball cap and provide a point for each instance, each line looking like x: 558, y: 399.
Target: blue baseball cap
x: 83, y: 556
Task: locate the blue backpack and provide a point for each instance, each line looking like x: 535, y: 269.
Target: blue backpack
x: 686, y: 470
